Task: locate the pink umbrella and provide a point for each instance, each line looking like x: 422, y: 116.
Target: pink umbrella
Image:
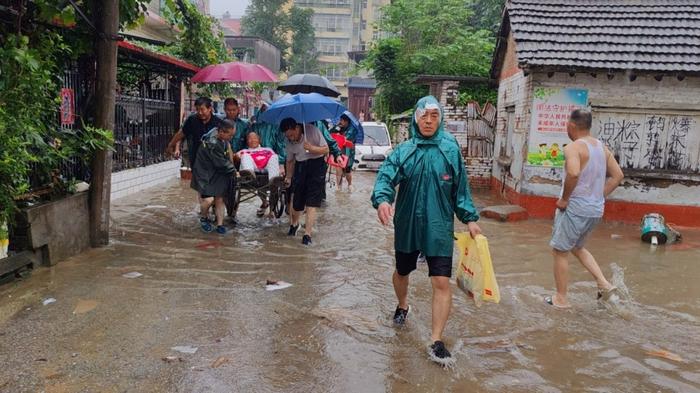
x: 234, y: 72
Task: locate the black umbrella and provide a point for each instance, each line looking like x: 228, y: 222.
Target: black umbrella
x: 309, y: 83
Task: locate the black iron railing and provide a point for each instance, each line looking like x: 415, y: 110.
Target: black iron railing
x: 143, y: 127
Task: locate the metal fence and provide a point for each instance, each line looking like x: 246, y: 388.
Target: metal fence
x: 143, y: 128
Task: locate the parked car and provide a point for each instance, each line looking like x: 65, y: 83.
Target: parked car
x: 375, y: 148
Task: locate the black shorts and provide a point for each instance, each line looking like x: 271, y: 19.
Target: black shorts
x: 437, y: 266
x: 309, y: 183
x: 205, y: 196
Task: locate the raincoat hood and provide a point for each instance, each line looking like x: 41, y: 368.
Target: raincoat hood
x: 427, y: 102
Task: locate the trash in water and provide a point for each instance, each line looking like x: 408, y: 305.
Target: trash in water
x: 654, y: 229
x: 84, y: 306
x: 666, y: 355
x: 208, y: 245
x: 132, y: 275
x: 156, y: 207
x: 49, y: 301
x: 615, y: 236
x: 172, y: 359
x: 273, y: 285
x: 185, y: 349
x: 41, y: 360
x: 220, y: 361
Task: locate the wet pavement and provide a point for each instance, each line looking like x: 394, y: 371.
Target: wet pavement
x: 331, y: 330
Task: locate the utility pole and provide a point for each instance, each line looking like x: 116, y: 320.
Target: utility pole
x: 105, y: 90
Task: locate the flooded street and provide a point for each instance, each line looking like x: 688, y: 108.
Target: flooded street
x: 332, y: 330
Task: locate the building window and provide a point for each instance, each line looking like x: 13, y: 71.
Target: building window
x: 331, y: 23
x: 335, y: 71
x: 332, y: 46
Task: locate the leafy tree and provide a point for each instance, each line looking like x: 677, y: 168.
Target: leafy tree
x: 303, y: 58
x: 33, y: 55
x: 197, y: 43
x: 290, y: 31
x: 426, y: 37
x: 487, y: 14
x: 268, y: 20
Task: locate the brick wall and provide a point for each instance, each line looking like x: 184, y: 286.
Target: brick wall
x: 479, y: 171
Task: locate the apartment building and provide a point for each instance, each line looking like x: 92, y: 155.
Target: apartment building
x: 344, y: 28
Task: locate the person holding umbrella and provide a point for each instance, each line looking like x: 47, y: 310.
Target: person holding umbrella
x: 305, y: 148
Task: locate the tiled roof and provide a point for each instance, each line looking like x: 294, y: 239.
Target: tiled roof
x: 231, y: 26
x: 648, y: 35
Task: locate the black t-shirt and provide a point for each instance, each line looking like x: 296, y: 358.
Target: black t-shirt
x: 194, y: 129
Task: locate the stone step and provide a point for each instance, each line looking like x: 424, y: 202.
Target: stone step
x: 505, y: 213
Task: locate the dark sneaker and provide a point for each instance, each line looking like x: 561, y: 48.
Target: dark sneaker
x: 400, y: 316
x: 205, y: 224
x: 306, y: 240
x: 293, y: 230
x: 439, y: 351
x: 221, y: 230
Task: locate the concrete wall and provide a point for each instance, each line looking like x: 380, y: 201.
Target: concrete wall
x: 651, y: 123
x: 135, y: 180
x: 47, y: 230
x: 629, y: 107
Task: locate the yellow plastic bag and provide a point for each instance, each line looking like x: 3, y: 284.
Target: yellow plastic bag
x: 475, y: 274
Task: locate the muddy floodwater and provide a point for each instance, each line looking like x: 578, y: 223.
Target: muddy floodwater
x: 199, y: 319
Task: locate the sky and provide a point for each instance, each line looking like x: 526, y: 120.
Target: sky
x: 235, y: 7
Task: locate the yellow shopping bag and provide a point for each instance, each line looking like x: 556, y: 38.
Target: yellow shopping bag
x: 475, y: 274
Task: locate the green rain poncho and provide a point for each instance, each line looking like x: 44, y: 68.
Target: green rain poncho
x: 350, y: 134
x: 213, y: 169
x: 238, y: 139
x: 433, y: 187
x: 270, y: 136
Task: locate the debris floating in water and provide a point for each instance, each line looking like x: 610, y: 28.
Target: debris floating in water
x: 208, y: 245
x: 172, y: 359
x: 665, y: 354
x: 48, y: 301
x: 132, y: 275
x: 273, y: 285
x: 615, y: 236
x: 84, y: 306
x: 156, y: 207
x: 185, y: 349
x: 221, y: 360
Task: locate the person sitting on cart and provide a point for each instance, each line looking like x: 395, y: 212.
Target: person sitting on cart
x: 269, y: 135
x: 306, y: 164
x: 256, y: 159
x: 211, y: 175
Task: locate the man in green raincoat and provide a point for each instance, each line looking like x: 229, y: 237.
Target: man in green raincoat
x: 433, y: 187
x: 232, y: 111
x: 211, y: 175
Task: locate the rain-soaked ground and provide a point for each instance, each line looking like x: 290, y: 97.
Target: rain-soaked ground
x: 331, y: 330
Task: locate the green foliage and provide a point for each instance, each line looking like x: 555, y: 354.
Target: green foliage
x: 32, y: 59
x: 290, y: 31
x: 487, y: 14
x: 430, y: 37
x: 268, y: 20
x: 197, y: 42
x: 303, y: 58
x: 29, y: 69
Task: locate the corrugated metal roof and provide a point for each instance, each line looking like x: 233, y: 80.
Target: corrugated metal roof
x: 650, y: 35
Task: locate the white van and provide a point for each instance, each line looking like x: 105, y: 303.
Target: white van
x: 375, y: 148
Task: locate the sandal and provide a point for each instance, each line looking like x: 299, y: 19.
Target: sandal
x: 604, y: 295
x: 550, y: 300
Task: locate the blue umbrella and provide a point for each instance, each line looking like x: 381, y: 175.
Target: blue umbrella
x: 303, y: 107
x: 358, y: 126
